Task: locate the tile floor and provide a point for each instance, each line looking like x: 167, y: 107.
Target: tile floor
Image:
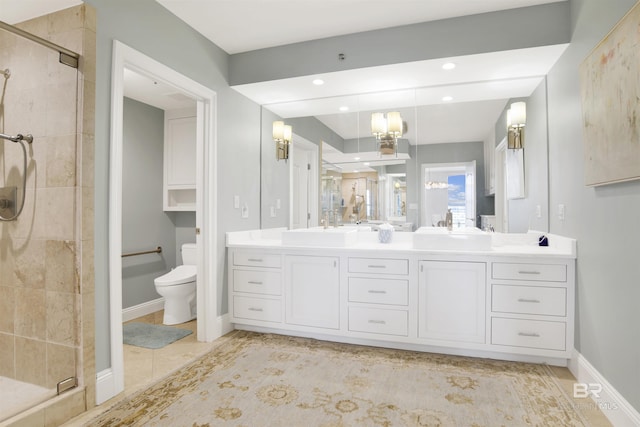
x: 145, y: 366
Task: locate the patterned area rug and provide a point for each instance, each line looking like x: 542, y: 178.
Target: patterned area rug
x: 270, y: 380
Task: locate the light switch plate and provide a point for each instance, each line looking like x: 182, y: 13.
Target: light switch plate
x: 236, y: 202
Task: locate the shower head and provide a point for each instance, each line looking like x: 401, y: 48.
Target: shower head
x: 7, y: 73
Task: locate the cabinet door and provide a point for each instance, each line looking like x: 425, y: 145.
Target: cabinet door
x: 312, y: 291
x: 181, y: 151
x: 451, y: 302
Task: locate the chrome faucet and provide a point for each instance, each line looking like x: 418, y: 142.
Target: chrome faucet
x: 335, y: 218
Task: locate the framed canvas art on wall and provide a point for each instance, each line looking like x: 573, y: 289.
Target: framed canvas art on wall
x: 610, y: 92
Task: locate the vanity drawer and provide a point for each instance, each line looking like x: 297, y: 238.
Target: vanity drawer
x: 379, y: 291
x: 533, y: 272
x: 529, y: 300
x: 378, y: 265
x: 257, y: 259
x: 267, y: 310
x: 257, y: 282
x: 379, y: 321
x: 528, y: 333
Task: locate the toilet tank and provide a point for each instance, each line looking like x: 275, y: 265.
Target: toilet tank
x: 189, y: 254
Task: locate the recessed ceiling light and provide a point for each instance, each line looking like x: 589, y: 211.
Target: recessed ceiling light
x: 356, y: 171
x: 318, y: 82
x: 447, y: 98
x: 356, y: 158
x: 367, y: 163
x: 448, y: 66
x: 344, y: 108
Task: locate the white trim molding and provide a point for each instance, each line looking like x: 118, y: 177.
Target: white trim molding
x: 611, y: 403
x: 143, y: 309
x: 124, y: 57
x: 105, y: 386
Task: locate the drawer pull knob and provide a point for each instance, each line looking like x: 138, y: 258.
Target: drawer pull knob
x: 254, y: 282
x: 255, y: 309
x: 378, y: 322
x: 529, y: 334
x: 255, y: 259
x: 528, y: 300
x: 528, y: 272
x: 377, y: 266
x: 373, y: 291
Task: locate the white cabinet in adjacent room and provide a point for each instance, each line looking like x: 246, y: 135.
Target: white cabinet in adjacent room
x: 312, y: 290
x: 180, y: 160
x: 451, y: 301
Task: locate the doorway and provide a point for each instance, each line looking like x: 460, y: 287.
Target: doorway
x: 449, y: 186
x: 209, y: 325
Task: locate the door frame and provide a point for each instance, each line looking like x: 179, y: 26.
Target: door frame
x: 209, y: 325
x: 313, y: 179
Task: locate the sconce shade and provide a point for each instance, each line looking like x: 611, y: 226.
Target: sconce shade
x: 278, y: 131
x: 378, y: 124
x: 394, y: 124
x: 518, y: 113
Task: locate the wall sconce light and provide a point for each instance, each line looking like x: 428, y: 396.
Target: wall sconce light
x: 387, y: 130
x: 282, y: 137
x: 516, y: 119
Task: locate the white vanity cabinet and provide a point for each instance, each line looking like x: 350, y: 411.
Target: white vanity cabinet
x: 532, y: 307
x: 503, y: 303
x: 255, y: 287
x: 378, y: 296
x: 180, y: 160
x: 452, y: 301
x: 312, y: 289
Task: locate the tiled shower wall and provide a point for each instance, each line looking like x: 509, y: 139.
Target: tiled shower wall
x: 46, y: 256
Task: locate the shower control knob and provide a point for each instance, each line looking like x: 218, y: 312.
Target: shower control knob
x: 5, y: 203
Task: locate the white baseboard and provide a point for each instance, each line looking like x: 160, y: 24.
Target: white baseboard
x: 143, y: 309
x: 224, y: 324
x: 105, y: 386
x: 611, y: 403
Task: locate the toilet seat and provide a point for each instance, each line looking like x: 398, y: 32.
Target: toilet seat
x: 178, y: 276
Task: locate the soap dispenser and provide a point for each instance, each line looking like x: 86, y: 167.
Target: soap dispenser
x: 449, y: 220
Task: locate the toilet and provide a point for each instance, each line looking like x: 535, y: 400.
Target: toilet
x: 178, y: 287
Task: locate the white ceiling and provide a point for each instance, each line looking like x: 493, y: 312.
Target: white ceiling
x: 480, y: 84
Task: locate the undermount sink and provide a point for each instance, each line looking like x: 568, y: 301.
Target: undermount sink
x: 439, y: 238
x: 320, y: 236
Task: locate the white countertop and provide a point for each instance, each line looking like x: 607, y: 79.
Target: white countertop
x: 502, y: 244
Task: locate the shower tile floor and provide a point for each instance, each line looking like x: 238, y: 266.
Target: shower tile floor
x: 17, y: 396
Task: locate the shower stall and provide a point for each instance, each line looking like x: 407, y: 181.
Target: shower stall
x: 41, y: 205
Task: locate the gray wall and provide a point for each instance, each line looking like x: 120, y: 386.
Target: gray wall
x: 603, y: 220
x: 149, y: 28
x: 144, y: 224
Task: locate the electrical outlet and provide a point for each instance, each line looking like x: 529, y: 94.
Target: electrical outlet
x: 278, y: 205
x: 561, y: 212
x: 273, y: 212
x: 538, y: 211
x: 236, y: 202
x: 245, y: 211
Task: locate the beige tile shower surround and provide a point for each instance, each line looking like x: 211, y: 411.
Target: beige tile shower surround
x: 46, y: 256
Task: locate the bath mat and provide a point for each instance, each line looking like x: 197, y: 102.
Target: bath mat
x: 151, y: 336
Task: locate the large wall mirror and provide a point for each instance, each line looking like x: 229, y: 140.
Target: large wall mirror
x: 337, y: 171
